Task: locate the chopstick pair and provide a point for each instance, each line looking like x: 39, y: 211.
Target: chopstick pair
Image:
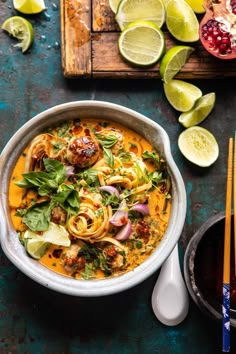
x: 231, y: 181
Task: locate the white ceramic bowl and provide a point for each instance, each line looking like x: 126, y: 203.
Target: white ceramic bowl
x: 11, y: 246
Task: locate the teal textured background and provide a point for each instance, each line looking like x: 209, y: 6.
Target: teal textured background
x: 36, y: 320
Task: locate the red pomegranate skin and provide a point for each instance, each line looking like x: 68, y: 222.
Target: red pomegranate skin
x: 215, y: 36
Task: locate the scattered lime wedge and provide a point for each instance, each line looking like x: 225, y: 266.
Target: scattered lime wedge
x: 199, y: 146
x: 138, y: 10
x: 181, y: 21
x: 36, y: 247
x: 55, y: 234
x: 182, y: 95
x: 141, y: 43
x: 29, y: 7
x: 21, y: 29
x: 173, y: 60
x: 196, y: 5
x: 199, y: 112
x: 114, y: 5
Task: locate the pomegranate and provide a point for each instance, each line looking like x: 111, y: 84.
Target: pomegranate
x: 217, y: 28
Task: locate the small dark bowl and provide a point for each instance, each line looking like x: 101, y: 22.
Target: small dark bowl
x: 203, y: 268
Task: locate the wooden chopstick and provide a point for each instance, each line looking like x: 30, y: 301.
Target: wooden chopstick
x: 227, y: 244
x: 234, y: 191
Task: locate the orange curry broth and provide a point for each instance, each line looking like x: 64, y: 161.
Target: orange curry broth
x: 156, y: 203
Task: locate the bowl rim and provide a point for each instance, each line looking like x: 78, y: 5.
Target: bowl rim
x: 99, y: 287
x: 188, y: 268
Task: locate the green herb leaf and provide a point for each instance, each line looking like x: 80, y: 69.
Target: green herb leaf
x: 89, y: 271
x: 107, y: 141
x: 37, y: 217
x: 55, y: 169
x: 151, y: 155
x: 108, y: 157
x: 47, y: 181
x: 90, y: 176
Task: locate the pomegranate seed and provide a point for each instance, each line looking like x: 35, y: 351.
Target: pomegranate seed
x: 217, y: 39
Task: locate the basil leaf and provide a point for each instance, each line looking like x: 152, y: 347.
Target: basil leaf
x: 55, y: 169
x: 90, y: 176
x: 37, y: 217
x: 108, y: 157
x: 107, y: 141
x: 68, y: 198
x: 33, y: 179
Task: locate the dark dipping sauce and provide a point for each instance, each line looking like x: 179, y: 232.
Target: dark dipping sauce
x: 208, y: 268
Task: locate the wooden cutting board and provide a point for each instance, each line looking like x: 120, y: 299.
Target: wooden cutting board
x: 89, y: 35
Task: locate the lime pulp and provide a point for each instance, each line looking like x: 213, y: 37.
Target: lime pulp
x: 20, y: 28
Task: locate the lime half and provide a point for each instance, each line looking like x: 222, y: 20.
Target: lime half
x: 21, y: 29
x: 181, y: 21
x: 114, y: 5
x: 199, y: 146
x: 141, y: 43
x: 55, y: 234
x: 138, y: 10
x: 29, y: 7
x: 182, y: 95
x: 199, y: 112
x: 36, y: 247
x: 173, y: 60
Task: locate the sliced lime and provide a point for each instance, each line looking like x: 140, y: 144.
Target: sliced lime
x: 56, y: 234
x: 36, y: 247
x: 173, y: 60
x: 199, y: 146
x: 199, y: 112
x: 196, y: 5
x: 181, y: 21
x: 182, y: 95
x: 141, y: 43
x: 21, y: 29
x: 29, y: 7
x: 114, y: 5
x: 138, y: 10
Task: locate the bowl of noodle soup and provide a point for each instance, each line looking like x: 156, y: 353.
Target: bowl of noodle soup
x: 92, y: 202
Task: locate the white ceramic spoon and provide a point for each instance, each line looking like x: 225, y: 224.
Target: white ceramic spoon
x: 170, y: 301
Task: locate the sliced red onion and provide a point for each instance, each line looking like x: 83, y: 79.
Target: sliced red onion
x: 110, y: 189
x: 141, y: 208
x: 120, y: 217
x: 69, y: 171
x: 125, y: 232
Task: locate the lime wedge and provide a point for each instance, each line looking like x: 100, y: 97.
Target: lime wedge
x: 199, y: 112
x: 36, y: 247
x: 182, y: 95
x: 56, y: 234
x: 138, y: 10
x: 181, y: 21
x: 114, y: 5
x: 173, y: 60
x: 21, y: 29
x: 141, y: 43
x: 29, y: 7
x: 196, y: 5
x: 199, y: 146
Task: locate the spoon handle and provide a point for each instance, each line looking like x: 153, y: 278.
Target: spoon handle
x: 170, y: 300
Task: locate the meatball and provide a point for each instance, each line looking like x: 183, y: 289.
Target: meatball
x: 70, y: 259
x: 83, y: 152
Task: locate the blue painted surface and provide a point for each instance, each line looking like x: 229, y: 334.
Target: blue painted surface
x: 35, y: 320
